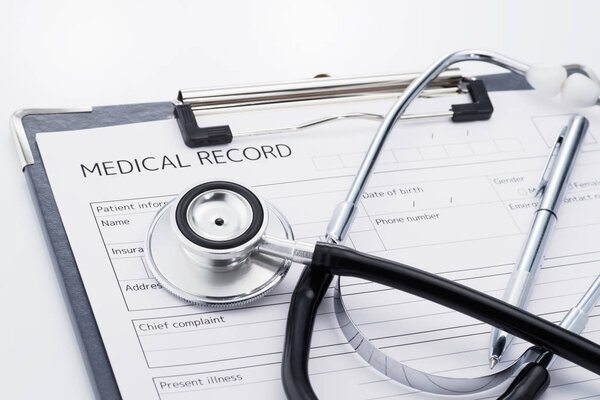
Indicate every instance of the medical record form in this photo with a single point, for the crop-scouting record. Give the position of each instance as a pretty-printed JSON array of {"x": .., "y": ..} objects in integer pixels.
[{"x": 455, "y": 199}]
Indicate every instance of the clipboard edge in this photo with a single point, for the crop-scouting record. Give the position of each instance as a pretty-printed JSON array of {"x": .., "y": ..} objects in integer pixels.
[
  {"x": 86, "y": 330},
  {"x": 15, "y": 126},
  {"x": 57, "y": 256}
]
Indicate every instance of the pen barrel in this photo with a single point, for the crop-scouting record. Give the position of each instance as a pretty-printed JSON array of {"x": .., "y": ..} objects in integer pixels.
[
  {"x": 519, "y": 288},
  {"x": 531, "y": 257},
  {"x": 578, "y": 316},
  {"x": 590, "y": 298},
  {"x": 556, "y": 185},
  {"x": 575, "y": 320}
]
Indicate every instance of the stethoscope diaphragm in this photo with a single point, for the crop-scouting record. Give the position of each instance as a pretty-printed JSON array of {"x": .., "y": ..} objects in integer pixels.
[{"x": 202, "y": 245}]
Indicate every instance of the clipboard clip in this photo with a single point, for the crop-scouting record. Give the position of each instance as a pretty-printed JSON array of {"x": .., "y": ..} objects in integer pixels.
[{"x": 193, "y": 135}]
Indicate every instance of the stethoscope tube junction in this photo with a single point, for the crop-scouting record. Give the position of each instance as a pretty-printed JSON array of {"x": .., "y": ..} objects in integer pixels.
[{"x": 219, "y": 244}]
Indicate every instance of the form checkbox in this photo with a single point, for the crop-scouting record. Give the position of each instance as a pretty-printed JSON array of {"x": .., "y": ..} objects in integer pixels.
[
  {"x": 486, "y": 147},
  {"x": 508, "y": 144},
  {"x": 130, "y": 268},
  {"x": 328, "y": 162},
  {"x": 433, "y": 152},
  {"x": 458, "y": 150},
  {"x": 367, "y": 241},
  {"x": 404, "y": 155}
]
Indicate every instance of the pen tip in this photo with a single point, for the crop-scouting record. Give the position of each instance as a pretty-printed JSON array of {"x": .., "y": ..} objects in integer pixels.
[{"x": 493, "y": 362}]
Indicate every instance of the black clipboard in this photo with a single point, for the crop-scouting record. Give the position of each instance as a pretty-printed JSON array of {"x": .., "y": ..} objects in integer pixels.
[{"x": 27, "y": 123}]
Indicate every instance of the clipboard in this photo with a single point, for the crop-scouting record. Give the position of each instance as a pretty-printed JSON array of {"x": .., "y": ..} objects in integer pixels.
[{"x": 188, "y": 109}]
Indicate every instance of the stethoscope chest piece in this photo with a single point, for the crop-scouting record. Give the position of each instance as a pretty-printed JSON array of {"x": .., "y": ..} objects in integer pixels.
[{"x": 202, "y": 245}]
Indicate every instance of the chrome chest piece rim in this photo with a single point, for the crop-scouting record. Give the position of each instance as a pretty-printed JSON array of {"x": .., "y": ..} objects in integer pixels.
[{"x": 202, "y": 245}]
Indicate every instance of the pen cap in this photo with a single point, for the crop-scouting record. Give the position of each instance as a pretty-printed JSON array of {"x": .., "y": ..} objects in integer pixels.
[{"x": 558, "y": 177}]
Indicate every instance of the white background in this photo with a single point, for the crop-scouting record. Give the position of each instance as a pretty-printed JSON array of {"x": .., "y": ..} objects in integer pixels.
[{"x": 61, "y": 53}]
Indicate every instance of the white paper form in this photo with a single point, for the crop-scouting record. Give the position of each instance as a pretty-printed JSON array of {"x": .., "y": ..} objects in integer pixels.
[{"x": 452, "y": 198}]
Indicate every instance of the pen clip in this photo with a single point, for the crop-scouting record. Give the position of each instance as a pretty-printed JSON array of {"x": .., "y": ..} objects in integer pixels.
[{"x": 557, "y": 144}]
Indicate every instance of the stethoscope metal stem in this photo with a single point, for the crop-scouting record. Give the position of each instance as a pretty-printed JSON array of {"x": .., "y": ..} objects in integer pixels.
[
  {"x": 344, "y": 213},
  {"x": 297, "y": 252}
]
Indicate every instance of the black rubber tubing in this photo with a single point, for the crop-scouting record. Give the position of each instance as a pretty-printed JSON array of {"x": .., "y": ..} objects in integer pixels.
[
  {"x": 307, "y": 296},
  {"x": 330, "y": 259},
  {"x": 529, "y": 384},
  {"x": 183, "y": 205},
  {"x": 344, "y": 261}
]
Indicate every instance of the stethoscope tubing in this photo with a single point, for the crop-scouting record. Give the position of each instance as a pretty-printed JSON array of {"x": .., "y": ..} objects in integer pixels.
[
  {"x": 316, "y": 278},
  {"x": 332, "y": 259}
]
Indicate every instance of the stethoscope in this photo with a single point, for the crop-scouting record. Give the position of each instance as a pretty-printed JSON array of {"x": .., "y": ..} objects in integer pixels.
[{"x": 219, "y": 244}]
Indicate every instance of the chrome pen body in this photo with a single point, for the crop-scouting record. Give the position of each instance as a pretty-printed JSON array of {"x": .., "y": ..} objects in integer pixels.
[
  {"x": 552, "y": 189},
  {"x": 533, "y": 379},
  {"x": 577, "y": 317}
]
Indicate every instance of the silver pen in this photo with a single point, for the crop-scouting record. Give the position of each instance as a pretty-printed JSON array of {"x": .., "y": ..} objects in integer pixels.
[
  {"x": 528, "y": 380},
  {"x": 578, "y": 316},
  {"x": 552, "y": 189}
]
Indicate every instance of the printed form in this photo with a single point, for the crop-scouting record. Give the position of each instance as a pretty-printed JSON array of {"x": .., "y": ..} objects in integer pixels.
[{"x": 455, "y": 199}]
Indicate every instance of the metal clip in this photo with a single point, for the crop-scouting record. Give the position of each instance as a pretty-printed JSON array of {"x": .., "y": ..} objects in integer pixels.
[
  {"x": 333, "y": 118},
  {"x": 545, "y": 172},
  {"x": 195, "y": 136}
]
